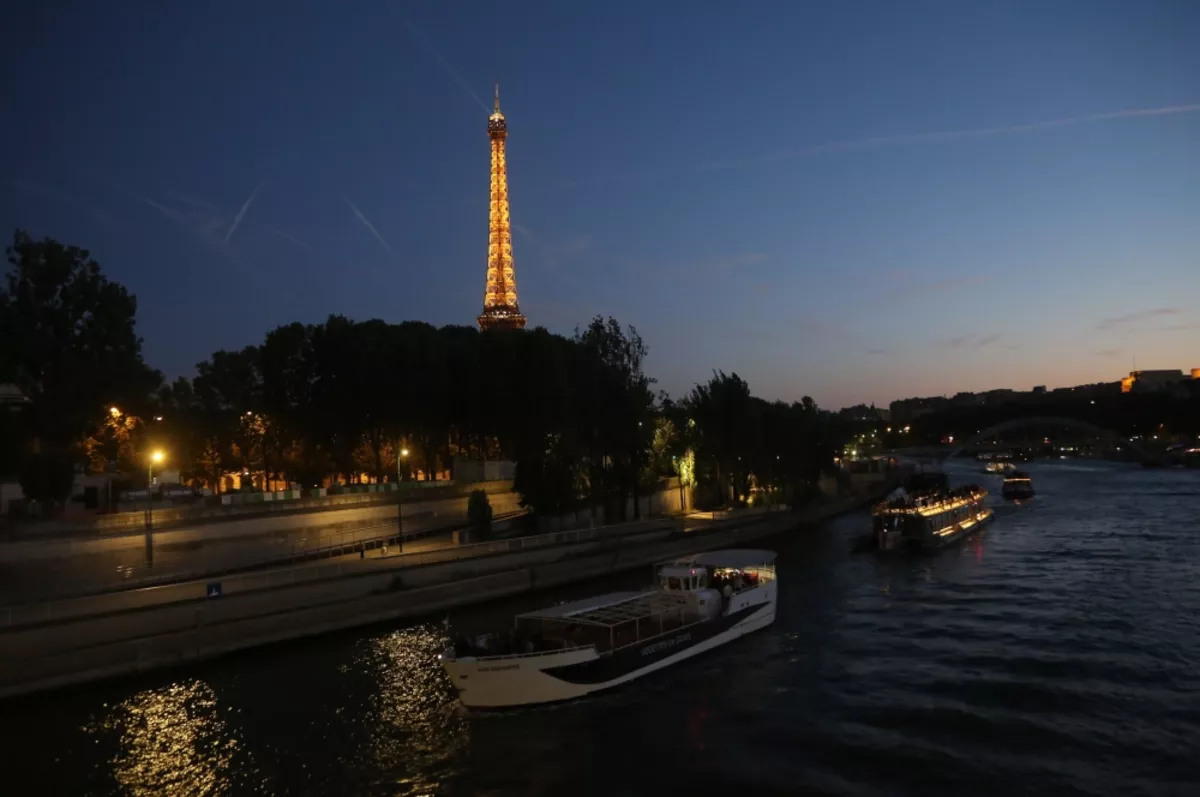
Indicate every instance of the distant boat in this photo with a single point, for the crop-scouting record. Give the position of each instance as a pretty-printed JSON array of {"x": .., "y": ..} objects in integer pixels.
[
  {"x": 929, "y": 515},
  {"x": 1018, "y": 486}
]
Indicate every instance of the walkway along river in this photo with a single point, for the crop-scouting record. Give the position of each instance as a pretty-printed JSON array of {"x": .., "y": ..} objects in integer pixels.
[{"x": 1057, "y": 654}]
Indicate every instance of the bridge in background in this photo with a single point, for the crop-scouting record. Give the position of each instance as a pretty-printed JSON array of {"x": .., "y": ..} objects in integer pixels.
[{"x": 988, "y": 439}]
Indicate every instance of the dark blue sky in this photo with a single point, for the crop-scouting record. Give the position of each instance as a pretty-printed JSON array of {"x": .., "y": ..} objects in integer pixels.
[{"x": 857, "y": 201}]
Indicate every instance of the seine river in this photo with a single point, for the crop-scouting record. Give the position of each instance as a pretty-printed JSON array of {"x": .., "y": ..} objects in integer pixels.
[{"x": 1057, "y": 654}]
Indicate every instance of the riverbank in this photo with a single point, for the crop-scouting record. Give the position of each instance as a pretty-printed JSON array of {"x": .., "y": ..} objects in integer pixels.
[{"x": 136, "y": 636}]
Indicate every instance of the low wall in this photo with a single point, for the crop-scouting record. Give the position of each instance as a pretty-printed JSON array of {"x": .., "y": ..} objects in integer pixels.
[{"x": 665, "y": 501}]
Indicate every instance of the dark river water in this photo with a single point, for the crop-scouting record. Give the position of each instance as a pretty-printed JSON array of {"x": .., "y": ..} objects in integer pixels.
[{"x": 1057, "y": 654}]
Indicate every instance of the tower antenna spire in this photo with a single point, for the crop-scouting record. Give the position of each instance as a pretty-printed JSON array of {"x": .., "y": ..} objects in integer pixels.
[{"x": 496, "y": 107}]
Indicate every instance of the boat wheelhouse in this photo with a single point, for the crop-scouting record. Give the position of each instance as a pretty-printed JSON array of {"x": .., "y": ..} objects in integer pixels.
[
  {"x": 930, "y": 518},
  {"x": 573, "y": 649}
]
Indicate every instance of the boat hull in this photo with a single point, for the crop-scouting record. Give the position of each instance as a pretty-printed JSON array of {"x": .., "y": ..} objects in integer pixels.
[
  {"x": 499, "y": 682},
  {"x": 934, "y": 541}
]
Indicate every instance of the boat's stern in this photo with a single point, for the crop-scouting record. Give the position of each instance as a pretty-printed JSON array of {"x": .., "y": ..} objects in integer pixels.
[{"x": 517, "y": 680}]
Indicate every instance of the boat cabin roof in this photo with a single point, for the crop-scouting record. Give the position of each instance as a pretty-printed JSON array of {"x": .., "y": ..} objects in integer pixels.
[
  {"x": 678, "y": 571},
  {"x": 612, "y": 609},
  {"x": 734, "y": 558}
]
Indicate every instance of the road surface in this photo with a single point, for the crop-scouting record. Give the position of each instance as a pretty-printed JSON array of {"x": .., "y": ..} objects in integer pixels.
[{"x": 36, "y": 569}]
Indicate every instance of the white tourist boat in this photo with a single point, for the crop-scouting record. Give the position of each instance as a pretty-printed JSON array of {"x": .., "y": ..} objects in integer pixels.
[{"x": 574, "y": 649}]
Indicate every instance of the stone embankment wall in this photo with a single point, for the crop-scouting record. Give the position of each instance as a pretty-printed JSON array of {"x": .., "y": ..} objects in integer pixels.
[{"x": 132, "y": 637}]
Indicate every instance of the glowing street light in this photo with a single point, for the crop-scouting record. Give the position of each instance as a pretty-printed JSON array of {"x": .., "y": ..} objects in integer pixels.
[
  {"x": 113, "y": 411},
  {"x": 156, "y": 458},
  {"x": 399, "y": 502}
]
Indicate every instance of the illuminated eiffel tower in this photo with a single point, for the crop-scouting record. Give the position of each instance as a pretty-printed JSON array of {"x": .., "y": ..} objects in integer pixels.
[{"x": 500, "y": 308}]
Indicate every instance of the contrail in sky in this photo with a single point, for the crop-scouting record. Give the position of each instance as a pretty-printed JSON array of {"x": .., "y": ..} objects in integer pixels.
[
  {"x": 291, "y": 238},
  {"x": 445, "y": 64},
  {"x": 370, "y": 226},
  {"x": 950, "y": 135},
  {"x": 163, "y": 209},
  {"x": 884, "y": 141},
  {"x": 246, "y": 206}
]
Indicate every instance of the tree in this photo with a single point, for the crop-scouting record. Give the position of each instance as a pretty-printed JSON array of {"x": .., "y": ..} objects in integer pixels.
[
  {"x": 47, "y": 477},
  {"x": 68, "y": 341},
  {"x": 479, "y": 515}
]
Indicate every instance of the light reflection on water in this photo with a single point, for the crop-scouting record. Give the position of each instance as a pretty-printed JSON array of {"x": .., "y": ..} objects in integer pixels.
[
  {"x": 175, "y": 741},
  {"x": 417, "y": 730}
]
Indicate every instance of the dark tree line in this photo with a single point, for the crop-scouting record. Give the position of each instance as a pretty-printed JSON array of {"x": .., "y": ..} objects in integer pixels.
[{"x": 342, "y": 399}]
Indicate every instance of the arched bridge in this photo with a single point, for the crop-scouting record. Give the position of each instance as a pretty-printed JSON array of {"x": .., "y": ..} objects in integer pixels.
[{"x": 1043, "y": 421}]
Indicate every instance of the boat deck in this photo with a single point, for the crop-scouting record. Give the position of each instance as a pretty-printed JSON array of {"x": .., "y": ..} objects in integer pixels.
[{"x": 606, "y": 612}]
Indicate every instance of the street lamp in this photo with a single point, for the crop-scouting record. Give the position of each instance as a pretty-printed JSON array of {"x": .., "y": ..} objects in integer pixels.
[
  {"x": 400, "y": 499},
  {"x": 155, "y": 457}
]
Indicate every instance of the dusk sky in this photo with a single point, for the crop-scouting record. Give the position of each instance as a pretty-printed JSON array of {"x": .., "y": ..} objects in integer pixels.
[{"x": 857, "y": 201}]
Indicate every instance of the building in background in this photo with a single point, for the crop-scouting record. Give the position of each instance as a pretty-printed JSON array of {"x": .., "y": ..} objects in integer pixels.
[{"x": 1159, "y": 381}]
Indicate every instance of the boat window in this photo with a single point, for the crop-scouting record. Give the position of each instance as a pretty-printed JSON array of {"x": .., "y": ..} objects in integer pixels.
[{"x": 672, "y": 582}]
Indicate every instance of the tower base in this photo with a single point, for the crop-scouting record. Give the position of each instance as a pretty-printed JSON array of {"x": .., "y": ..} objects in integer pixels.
[{"x": 501, "y": 318}]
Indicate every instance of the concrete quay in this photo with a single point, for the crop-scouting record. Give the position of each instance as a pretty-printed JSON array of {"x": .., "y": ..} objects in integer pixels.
[{"x": 53, "y": 645}]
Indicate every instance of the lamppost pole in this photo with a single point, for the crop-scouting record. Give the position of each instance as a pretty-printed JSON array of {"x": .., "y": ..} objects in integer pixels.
[
  {"x": 157, "y": 456},
  {"x": 400, "y": 498}
]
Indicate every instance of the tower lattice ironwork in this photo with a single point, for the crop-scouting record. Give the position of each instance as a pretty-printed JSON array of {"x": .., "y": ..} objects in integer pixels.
[{"x": 500, "y": 308}]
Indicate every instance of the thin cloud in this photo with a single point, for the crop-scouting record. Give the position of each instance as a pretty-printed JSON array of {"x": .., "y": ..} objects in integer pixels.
[
  {"x": 191, "y": 200},
  {"x": 973, "y": 341},
  {"x": 1108, "y": 353},
  {"x": 987, "y": 340},
  {"x": 877, "y": 142},
  {"x": 553, "y": 253},
  {"x": 907, "y": 284},
  {"x": 429, "y": 45},
  {"x": 245, "y": 206},
  {"x": 66, "y": 198},
  {"x": 711, "y": 266},
  {"x": 163, "y": 209},
  {"x": 738, "y": 261},
  {"x": 878, "y": 352},
  {"x": 368, "y": 224},
  {"x": 288, "y": 237},
  {"x": 1126, "y": 320},
  {"x": 956, "y": 283}
]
